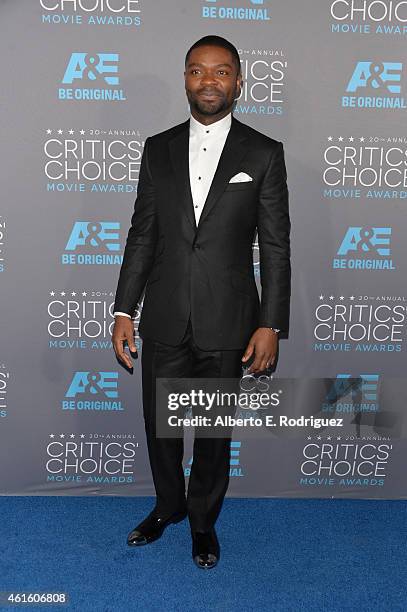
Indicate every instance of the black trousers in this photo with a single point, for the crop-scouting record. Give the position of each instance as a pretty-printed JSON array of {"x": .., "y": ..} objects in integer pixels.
[{"x": 209, "y": 476}]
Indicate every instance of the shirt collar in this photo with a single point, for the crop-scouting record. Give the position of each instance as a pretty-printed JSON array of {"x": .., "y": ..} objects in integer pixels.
[{"x": 214, "y": 129}]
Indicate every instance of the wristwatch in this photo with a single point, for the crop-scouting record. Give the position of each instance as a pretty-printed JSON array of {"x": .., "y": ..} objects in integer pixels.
[{"x": 274, "y": 330}]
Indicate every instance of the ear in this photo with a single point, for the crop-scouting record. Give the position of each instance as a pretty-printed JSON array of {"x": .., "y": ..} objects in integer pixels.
[{"x": 239, "y": 83}]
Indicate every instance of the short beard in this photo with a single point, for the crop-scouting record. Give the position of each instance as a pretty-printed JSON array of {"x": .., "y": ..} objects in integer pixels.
[{"x": 206, "y": 108}]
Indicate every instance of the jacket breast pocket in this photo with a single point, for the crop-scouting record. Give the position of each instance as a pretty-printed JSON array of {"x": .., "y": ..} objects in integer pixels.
[{"x": 239, "y": 186}]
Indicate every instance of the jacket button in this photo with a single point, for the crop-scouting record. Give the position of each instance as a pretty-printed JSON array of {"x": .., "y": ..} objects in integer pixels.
[{"x": 196, "y": 246}]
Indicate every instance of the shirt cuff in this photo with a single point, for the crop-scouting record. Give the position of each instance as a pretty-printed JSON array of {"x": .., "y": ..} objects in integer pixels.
[{"x": 123, "y": 314}]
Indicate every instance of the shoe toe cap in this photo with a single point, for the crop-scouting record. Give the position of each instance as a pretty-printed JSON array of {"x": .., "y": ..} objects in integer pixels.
[
  {"x": 206, "y": 560},
  {"x": 136, "y": 538}
]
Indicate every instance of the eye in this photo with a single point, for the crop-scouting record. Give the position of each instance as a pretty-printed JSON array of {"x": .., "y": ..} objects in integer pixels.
[
  {"x": 194, "y": 71},
  {"x": 222, "y": 72}
]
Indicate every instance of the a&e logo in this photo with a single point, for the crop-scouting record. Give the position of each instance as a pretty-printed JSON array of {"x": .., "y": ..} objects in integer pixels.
[
  {"x": 353, "y": 394},
  {"x": 253, "y": 11},
  {"x": 87, "y": 385},
  {"x": 95, "y": 70},
  {"x": 365, "y": 248},
  {"x": 93, "y": 242},
  {"x": 380, "y": 78},
  {"x": 90, "y": 384}
]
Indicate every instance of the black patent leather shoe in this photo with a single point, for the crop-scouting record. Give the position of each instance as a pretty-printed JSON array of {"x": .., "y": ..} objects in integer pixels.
[
  {"x": 152, "y": 528},
  {"x": 205, "y": 549}
]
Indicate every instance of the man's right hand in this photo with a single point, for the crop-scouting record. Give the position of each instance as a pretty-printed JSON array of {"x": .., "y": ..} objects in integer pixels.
[{"x": 123, "y": 330}]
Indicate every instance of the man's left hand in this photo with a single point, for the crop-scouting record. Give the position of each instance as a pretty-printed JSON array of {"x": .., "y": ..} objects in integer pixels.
[{"x": 263, "y": 344}]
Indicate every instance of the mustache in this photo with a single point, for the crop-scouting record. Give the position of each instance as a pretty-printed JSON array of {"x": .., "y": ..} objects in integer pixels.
[{"x": 209, "y": 92}]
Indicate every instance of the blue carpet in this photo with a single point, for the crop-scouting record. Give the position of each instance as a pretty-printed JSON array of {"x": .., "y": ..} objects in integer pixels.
[{"x": 282, "y": 555}]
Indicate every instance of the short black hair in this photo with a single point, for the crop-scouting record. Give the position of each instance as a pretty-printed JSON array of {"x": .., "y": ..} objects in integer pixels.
[{"x": 216, "y": 41}]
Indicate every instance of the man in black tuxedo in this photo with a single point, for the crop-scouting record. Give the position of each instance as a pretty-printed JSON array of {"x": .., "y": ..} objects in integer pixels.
[{"x": 205, "y": 187}]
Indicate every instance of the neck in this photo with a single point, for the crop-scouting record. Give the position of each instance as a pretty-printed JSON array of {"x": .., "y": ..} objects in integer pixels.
[{"x": 208, "y": 119}]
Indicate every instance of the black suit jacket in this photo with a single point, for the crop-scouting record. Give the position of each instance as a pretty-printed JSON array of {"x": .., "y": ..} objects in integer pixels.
[{"x": 206, "y": 272}]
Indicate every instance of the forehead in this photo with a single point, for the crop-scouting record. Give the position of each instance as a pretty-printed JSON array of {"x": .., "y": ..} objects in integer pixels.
[{"x": 210, "y": 54}]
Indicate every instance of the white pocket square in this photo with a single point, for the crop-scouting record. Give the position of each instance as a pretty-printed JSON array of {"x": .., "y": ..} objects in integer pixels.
[{"x": 240, "y": 177}]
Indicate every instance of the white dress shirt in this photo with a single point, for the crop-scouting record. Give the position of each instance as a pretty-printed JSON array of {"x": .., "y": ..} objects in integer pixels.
[{"x": 206, "y": 143}]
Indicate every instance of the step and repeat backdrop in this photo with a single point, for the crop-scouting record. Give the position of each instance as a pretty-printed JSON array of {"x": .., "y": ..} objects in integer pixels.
[{"x": 85, "y": 82}]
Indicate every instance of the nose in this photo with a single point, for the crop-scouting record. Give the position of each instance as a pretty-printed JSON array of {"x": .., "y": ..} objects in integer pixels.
[{"x": 208, "y": 78}]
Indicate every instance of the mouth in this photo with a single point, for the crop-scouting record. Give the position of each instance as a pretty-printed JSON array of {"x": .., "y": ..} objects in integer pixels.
[{"x": 209, "y": 95}]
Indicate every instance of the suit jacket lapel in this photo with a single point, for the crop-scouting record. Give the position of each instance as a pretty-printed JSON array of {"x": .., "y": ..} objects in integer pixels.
[
  {"x": 179, "y": 155},
  {"x": 228, "y": 165}
]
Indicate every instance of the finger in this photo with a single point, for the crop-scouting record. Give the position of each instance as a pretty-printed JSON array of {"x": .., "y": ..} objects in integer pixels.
[
  {"x": 269, "y": 360},
  {"x": 131, "y": 343},
  {"x": 248, "y": 352},
  {"x": 117, "y": 346},
  {"x": 260, "y": 365},
  {"x": 264, "y": 364},
  {"x": 272, "y": 358},
  {"x": 255, "y": 367},
  {"x": 124, "y": 358},
  {"x": 121, "y": 354}
]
